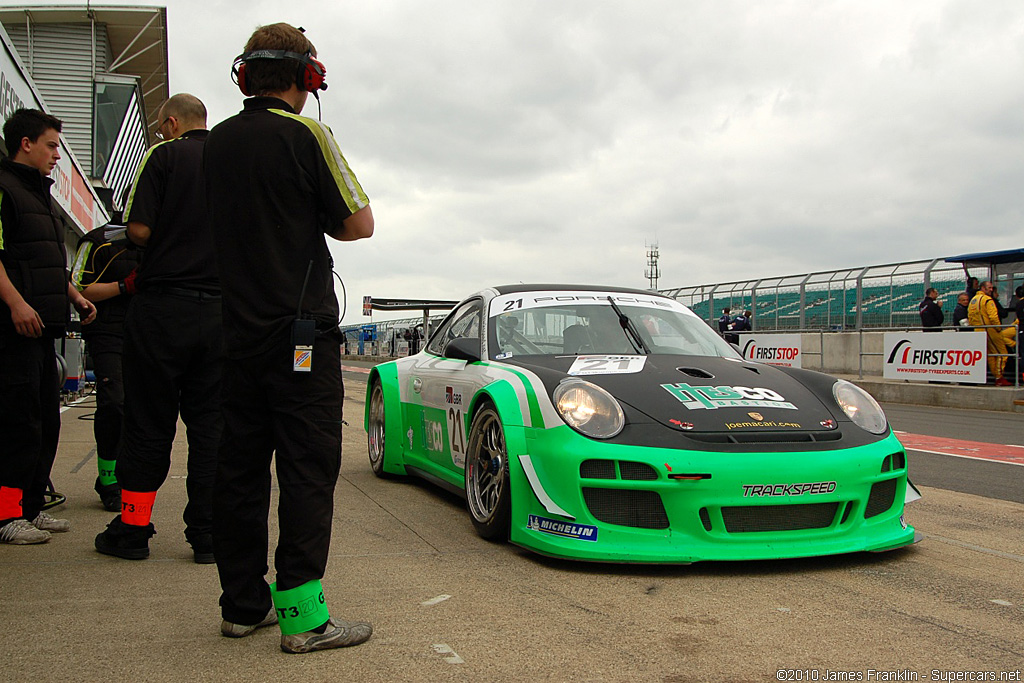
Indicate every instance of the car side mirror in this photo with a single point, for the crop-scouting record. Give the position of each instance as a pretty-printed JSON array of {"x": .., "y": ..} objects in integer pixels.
[{"x": 463, "y": 348}]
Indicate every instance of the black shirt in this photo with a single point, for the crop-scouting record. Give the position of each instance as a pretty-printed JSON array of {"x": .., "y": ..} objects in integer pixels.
[
  {"x": 276, "y": 183},
  {"x": 723, "y": 323},
  {"x": 960, "y": 318},
  {"x": 169, "y": 196},
  {"x": 931, "y": 314}
]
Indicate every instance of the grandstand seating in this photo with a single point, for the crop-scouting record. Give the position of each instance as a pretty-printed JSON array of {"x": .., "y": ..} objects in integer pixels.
[{"x": 883, "y": 305}]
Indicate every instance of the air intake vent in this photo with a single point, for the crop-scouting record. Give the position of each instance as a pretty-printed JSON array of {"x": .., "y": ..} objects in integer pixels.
[
  {"x": 641, "y": 509},
  {"x": 742, "y": 519},
  {"x": 764, "y": 437},
  {"x": 705, "y": 519},
  {"x": 696, "y": 372},
  {"x": 883, "y": 494},
  {"x": 637, "y": 471},
  {"x": 597, "y": 469}
]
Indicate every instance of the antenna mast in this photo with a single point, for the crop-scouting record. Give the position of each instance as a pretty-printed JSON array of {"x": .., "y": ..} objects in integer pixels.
[{"x": 652, "y": 273}]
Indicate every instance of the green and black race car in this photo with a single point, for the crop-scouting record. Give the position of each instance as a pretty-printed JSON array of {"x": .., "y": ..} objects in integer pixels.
[{"x": 614, "y": 425}]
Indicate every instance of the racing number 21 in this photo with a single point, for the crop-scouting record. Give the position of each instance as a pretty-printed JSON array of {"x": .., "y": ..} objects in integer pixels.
[{"x": 457, "y": 436}]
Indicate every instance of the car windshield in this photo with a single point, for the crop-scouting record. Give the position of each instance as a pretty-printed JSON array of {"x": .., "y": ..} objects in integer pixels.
[{"x": 578, "y": 323}]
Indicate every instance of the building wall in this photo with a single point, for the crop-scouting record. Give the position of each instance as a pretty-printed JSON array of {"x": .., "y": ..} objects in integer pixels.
[{"x": 59, "y": 57}]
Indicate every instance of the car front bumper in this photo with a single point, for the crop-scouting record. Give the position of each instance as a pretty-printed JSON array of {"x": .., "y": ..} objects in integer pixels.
[{"x": 578, "y": 498}]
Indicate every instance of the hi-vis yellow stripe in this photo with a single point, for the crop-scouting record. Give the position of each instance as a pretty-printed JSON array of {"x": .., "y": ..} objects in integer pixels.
[
  {"x": 138, "y": 173},
  {"x": 345, "y": 179}
]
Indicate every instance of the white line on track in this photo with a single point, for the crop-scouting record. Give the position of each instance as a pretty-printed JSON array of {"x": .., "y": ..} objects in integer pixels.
[
  {"x": 74, "y": 403},
  {"x": 968, "y": 457},
  {"x": 449, "y": 654},
  {"x": 433, "y": 601},
  {"x": 976, "y": 548}
]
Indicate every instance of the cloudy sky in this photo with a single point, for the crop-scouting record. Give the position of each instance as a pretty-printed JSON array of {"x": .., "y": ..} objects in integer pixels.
[{"x": 552, "y": 140}]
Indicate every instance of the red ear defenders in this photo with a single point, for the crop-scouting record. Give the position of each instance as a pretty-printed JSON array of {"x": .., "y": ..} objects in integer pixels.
[{"x": 310, "y": 76}]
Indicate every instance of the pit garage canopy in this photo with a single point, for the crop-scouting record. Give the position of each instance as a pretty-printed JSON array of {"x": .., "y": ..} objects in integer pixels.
[{"x": 989, "y": 257}]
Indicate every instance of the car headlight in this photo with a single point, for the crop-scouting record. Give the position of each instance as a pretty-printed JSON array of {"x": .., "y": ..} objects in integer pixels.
[
  {"x": 860, "y": 407},
  {"x": 589, "y": 409}
]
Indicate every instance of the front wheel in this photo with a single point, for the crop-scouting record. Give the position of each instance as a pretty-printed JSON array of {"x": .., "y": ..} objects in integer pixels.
[
  {"x": 376, "y": 429},
  {"x": 488, "y": 494}
]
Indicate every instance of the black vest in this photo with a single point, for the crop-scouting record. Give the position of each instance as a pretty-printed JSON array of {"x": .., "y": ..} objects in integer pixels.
[{"x": 33, "y": 249}]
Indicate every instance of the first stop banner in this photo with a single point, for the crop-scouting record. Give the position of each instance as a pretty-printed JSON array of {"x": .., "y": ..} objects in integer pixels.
[{"x": 935, "y": 356}]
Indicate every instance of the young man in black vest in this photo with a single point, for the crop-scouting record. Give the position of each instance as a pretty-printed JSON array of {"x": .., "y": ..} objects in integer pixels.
[{"x": 34, "y": 295}]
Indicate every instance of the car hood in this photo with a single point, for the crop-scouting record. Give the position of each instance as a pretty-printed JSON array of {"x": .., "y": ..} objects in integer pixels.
[{"x": 696, "y": 394}]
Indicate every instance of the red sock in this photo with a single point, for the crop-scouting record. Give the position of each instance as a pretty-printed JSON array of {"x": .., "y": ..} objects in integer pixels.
[
  {"x": 10, "y": 503},
  {"x": 137, "y": 507}
]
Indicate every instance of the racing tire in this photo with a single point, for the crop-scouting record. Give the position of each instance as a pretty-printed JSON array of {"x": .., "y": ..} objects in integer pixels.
[
  {"x": 488, "y": 493},
  {"x": 376, "y": 431},
  {"x": 62, "y": 372}
]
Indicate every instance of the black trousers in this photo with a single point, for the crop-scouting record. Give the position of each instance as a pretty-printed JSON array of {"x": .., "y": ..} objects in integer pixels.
[
  {"x": 172, "y": 364},
  {"x": 29, "y": 416},
  {"x": 106, "y": 427},
  {"x": 270, "y": 409}
]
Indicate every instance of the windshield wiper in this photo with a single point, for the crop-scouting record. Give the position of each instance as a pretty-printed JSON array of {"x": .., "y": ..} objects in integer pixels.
[{"x": 632, "y": 334}]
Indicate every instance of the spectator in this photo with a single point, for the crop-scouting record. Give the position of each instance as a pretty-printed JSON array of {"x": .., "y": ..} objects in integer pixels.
[
  {"x": 982, "y": 311},
  {"x": 724, "y": 321},
  {"x": 34, "y": 295},
  {"x": 743, "y": 323},
  {"x": 960, "y": 313},
  {"x": 1000, "y": 309},
  {"x": 930, "y": 309},
  {"x": 1019, "y": 310},
  {"x": 972, "y": 287}
]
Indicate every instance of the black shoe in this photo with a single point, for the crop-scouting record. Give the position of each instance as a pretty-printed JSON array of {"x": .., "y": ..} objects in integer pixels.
[
  {"x": 125, "y": 540},
  {"x": 202, "y": 549},
  {"x": 110, "y": 495}
]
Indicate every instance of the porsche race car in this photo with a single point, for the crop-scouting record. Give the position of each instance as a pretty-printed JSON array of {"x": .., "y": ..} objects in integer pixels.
[{"x": 610, "y": 424}]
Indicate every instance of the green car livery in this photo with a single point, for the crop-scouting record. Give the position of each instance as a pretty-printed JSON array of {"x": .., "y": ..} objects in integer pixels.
[{"x": 611, "y": 424}]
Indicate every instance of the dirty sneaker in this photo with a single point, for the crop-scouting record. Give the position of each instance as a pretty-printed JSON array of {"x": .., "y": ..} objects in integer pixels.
[
  {"x": 242, "y": 630},
  {"x": 338, "y": 634},
  {"x": 22, "y": 532},
  {"x": 47, "y": 522}
]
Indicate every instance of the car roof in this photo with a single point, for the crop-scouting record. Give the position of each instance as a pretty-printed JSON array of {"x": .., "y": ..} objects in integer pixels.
[{"x": 515, "y": 289}]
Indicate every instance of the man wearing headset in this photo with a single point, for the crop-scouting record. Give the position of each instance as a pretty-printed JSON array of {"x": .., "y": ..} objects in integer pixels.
[{"x": 282, "y": 377}]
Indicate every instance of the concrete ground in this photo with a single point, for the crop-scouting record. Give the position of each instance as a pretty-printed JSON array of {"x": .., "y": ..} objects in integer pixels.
[{"x": 449, "y": 606}]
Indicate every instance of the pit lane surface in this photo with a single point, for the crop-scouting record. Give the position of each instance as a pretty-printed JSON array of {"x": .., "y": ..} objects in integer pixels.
[
  {"x": 941, "y": 605},
  {"x": 450, "y": 606},
  {"x": 979, "y": 452}
]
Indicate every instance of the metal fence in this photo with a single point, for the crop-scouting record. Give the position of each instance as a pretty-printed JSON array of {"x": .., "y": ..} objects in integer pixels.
[
  {"x": 865, "y": 297},
  {"x": 868, "y": 297}
]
